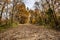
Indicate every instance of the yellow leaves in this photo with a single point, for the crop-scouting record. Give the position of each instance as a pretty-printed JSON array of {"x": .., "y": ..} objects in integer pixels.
[
  {"x": 33, "y": 21},
  {"x": 20, "y": 7},
  {"x": 22, "y": 12}
]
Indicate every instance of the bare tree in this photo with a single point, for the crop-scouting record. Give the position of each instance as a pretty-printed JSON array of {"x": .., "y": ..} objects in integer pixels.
[{"x": 3, "y": 6}]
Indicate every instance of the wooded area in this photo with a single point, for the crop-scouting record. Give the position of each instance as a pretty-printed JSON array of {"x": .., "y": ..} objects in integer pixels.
[
  {"x": 20, "y": 22},
  {"x": 15, "y": 12}
]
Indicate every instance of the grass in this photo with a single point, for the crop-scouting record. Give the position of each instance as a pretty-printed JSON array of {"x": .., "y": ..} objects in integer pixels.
[
  {"x": 4, "y": 27},
  {"x": 14, "y": 24}
]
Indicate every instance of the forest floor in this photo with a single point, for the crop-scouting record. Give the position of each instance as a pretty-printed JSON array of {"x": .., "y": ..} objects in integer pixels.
[{"x": 29, "y": 32}]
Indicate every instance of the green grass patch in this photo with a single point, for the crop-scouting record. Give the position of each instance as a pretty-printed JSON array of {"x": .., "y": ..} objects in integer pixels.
[
  {"x": 9, "y": 25},
  {"x": 14, "y": 24}
]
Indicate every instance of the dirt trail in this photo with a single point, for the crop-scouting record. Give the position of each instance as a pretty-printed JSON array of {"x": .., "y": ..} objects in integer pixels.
[{"x": 29, "y": 32}]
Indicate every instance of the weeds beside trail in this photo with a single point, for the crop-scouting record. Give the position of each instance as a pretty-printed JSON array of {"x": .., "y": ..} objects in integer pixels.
[{"x": 30, "y": 32}]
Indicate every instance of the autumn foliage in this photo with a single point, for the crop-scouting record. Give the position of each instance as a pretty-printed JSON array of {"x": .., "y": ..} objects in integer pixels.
[{"x": 18, "y": 13}]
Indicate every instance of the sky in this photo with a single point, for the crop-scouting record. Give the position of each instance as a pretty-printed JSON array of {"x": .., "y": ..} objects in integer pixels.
[{"x": 29, "y": 3}]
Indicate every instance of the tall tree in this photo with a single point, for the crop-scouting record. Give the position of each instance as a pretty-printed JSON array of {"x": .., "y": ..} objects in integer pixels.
[{"x": 3, "y": 6}]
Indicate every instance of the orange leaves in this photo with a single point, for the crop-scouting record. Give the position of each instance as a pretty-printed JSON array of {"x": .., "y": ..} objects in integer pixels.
[
  {"x": 20, "y": 6},
  {"x": 21, "y": 9},
  {"x": 21, "y": 12}
]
